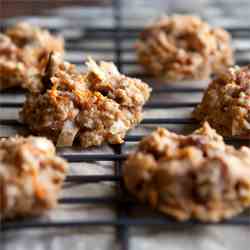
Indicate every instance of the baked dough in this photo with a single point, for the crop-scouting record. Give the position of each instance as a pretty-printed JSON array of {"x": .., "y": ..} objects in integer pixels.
[
  {"x": 97, "y": 106},
  {"x": 195, "y": 176},
  {"x": 226, "y": 103},
  {"x": 23, "y": 49},
  {"x": 31, "y": 176},
  {"x": 184, "y": 47}
]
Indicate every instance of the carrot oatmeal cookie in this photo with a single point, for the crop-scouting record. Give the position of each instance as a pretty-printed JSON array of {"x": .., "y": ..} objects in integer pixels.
[
  {"x": 195, "y": 176},
  {"x": 226, "y": 103},
  {"x": 97, "y": 106},
  {"x": 23, "y": 49},
  {"x": 184, "y": 47},
  {"x": 31, "y": 176}
]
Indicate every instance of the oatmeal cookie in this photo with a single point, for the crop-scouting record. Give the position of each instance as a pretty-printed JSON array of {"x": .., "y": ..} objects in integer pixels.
[
  {"x": 184, "y": 47},
  {"x": 226, "y": 103},
  {"x": 23, "y": 49},
  {"x": 97, "y": 106},
  {"x": 196, "y": 176},
  {"x": 31, "y": 176}
]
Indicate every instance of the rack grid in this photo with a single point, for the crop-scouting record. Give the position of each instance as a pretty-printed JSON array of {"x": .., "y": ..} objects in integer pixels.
[{"x": 121, "y": 201}]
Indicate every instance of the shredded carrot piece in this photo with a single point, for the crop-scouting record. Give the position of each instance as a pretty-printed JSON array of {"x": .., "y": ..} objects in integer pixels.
[{"x": 40, "y": 192}]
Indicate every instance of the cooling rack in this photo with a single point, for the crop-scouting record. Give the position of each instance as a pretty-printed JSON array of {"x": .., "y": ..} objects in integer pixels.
[{"x": 121, "y": 202}]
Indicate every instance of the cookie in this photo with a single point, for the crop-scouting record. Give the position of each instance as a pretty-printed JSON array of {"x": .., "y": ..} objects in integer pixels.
[
  {"x": 31, "y": 176},
  {"x": 183, "y": 47},
  {"x": 196, "y": 176}
]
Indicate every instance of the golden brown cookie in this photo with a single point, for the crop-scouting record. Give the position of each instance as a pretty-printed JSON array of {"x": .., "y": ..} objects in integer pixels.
[
  {"x": 94, "y": 107},
  {"x": 183, "y": 47},
  {"x": 196, "y": 176},
  {"x": 23, "y": 49},
  {"x": 226, "y": 103},
  {"x": 31, "y": 176}
]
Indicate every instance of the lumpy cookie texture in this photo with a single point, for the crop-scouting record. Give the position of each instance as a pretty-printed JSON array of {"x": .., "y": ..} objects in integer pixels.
[
  {"x": 23, "y": 49},
  {"x": 31, "y": 176},
  {"x": 226, "y": 103},
  {"x": 97, "y": 106},
  {"x": 184, "y": 47},
  {"x": 195, "y": 176}
]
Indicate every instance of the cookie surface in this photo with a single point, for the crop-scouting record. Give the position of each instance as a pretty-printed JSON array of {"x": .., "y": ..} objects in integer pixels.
[
  {"x": 183, "y": 47},
  {"x": 31, "y": 176},
  {"x": 226, "y": 103},
  {"x": 195, "y": 176},
  {"x": 22, "y": 49},
  {"x": 94, "y": 107}
]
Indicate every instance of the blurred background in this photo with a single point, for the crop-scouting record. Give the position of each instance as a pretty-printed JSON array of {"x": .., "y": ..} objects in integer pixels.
[
  {"x": 80, "y": 22},
  {"x": 227, "y": 12}
]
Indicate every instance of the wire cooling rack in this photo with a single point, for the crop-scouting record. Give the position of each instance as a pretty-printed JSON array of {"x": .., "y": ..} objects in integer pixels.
[{"x": 121, "y": 203}]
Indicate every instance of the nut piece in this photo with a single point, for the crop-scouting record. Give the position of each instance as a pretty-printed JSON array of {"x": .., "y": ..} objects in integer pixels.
[
  {"x": 22, "y": 52},
  {"x": 31, "y": 176},
  {"x": 97, "y": 106},
  {"x": 226, "y": 103},
  {"x": 184, "y": 47},
  {"x": 195, "y": 176}
]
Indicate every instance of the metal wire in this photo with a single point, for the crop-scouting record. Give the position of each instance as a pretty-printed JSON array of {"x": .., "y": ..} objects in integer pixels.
[{"x": 121, "y": 201}]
